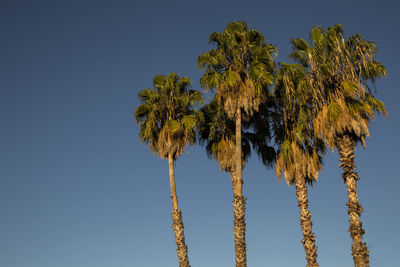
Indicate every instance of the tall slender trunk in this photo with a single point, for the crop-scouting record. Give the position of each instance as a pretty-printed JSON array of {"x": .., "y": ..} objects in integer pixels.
[
  {"x": 305, "y": 222},
  {"x": 346, "y": 147},
  {"x": 177, "y": 223},
  {"x": 239, "y": 202}
]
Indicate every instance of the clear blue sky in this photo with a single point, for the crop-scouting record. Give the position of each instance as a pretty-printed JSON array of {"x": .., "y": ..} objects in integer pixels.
[{"x": 77, "y": 189}]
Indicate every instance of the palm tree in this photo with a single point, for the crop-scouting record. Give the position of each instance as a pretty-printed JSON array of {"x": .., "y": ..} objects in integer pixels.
[
  {"x": 341, "y": 72},
  {"x": 240, "y": 70},
  {"x": 299, "y": 156},
  {"x": 167, "y": 124}
]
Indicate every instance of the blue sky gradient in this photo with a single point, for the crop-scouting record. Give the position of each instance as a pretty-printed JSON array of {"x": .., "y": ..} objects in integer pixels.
[{"x": 77, "y": 189}]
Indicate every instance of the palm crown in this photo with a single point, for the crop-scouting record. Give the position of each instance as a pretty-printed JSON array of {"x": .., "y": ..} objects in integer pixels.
[
  {"x": 166, "y": 115},
  {"x": 300, "y": 152},
  {"x": 240, "y": 68},
  {"x": 341, "y": 72}
]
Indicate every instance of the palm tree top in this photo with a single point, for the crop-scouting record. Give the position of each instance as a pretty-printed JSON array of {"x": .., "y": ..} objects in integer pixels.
[
  {"x": 343, "y": 73},
  {"x": 299, "y": 151},
  {"x": 240, "y": 68},
  {"x": 167, "y": 115}
]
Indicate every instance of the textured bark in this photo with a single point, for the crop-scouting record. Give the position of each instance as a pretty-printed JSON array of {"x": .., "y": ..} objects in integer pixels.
[
  {"x": 233, "y": 178},
  {"x": 177, "y": 226},
  {"x": 346, "y": 147},
  {"x": 177, "y": 223},
  {"x": 306, "y": 223},
  {"x": 239, "y": 230}
]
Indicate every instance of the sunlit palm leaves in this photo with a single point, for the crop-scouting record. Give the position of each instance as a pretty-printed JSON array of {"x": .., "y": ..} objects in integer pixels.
[
  {"x": 166, "y": 115},
  {"x": 240, "y": 69},
  {"x": 341, "y": 72}
]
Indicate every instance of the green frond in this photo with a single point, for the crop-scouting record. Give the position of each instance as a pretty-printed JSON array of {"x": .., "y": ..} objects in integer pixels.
[
  {"x": 183, "y": 83},
  {"x": 335, "y": 30},
  {"x": 334, "y": 111},
  {"x": 172, "y": 126},
  {"x": 210, "y": 80},
  {"x": 299, "y": 57},
  {"x": 356, "y": 107},
  {"x": 232, "y": 78},
  {"x": 146, "y": 94},
  {"x": 141, "y": 113},
  {"x": 350, "y": 88},
  {"x": 316, "y": 35},
  {"x": 377, "y": 105},
  {"x": 195, "y": 97},
  {"x": 286, "y": 150},
  {"x": 299, "y": 44},
  {"x": 159, "y": 81},
  {"x": 189, "y": 121}
]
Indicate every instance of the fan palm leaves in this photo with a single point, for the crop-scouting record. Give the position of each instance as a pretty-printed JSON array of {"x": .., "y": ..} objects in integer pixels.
[
  {"x": 168, "y": 123},
  {"x": 341, "y": 72},
  {"x": 240, "y": 70}
]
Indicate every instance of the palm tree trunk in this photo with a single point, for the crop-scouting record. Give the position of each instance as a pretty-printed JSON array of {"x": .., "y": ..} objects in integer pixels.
[
  {"x": 238, "y": 154},
  {"x": 346, "y": 147},
  {"x": 239, "y": 202},
  {"x": 177, "y": 223},
  {"x": 174, "y": 197},
  {"x": 305, "y": 222},
  {"x": 232, "y": 171}
]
